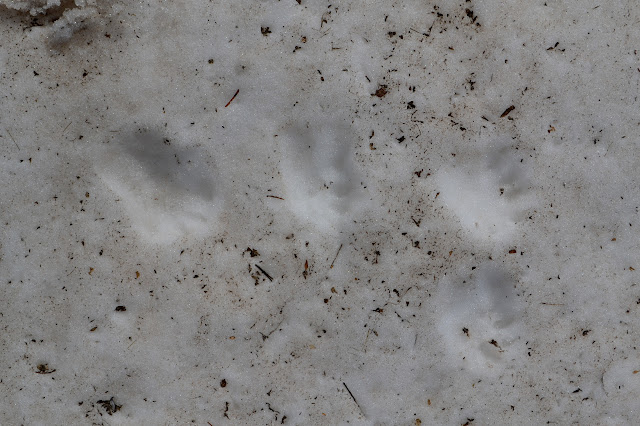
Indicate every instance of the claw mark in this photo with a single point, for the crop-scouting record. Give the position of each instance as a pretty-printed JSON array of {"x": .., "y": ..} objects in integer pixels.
[{"x": 14, "y": 141}]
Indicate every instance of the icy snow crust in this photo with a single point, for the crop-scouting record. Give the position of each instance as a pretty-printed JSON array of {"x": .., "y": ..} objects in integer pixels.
[{"x": 283, "y": 212}]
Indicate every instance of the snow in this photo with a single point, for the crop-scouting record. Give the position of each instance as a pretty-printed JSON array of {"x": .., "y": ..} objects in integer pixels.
[{"x": 351, "y": 212}]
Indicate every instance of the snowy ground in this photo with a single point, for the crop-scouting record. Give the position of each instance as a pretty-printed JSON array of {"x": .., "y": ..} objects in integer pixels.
[{"x": 319, "y": 212}]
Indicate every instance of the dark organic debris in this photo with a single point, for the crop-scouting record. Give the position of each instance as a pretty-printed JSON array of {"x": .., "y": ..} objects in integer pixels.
[
  {"x": 44, "y": 369},
  {"x": 381, "y": 92},
  {"x": 110, "y": 406},
  {"x": 252, "y": 252},
  {"x": 507, "y": 111}
]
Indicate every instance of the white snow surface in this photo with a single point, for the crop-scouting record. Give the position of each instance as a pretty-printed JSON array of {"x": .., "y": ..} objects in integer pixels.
[{"x": 319, "y": 212}]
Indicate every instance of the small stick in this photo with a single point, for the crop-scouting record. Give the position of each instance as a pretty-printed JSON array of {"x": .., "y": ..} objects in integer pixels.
[
  {"x": 354, "y": 398},
  {"x": 334, "y": 259},
  {"x": 264, "y": 272},
  {"x": 273, "y": 196},
  {"x": 231, "y": 100},
  {"x": 14, "y": 141}
]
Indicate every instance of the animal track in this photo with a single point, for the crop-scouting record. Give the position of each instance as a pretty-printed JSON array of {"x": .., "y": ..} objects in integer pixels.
[
  {"x": 167, "y": 190},
  {"x": 319, "y": 173},
  {"x": 487, "y": 196},
  {"x": 479, "y": 319}
]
